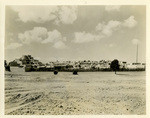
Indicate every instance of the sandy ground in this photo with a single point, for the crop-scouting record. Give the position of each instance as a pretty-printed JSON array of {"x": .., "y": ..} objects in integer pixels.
[{"x": 89, "y": 93}]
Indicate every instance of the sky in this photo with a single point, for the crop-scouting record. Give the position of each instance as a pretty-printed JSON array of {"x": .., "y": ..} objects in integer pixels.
[{"x": 99, "y": 32}]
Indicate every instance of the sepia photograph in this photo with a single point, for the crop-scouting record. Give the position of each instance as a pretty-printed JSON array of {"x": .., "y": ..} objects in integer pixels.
[{"x": 75, "y": 60}]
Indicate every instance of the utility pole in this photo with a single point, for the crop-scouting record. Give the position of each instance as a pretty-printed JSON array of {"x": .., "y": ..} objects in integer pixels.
[{"x": 137, "y": 54}]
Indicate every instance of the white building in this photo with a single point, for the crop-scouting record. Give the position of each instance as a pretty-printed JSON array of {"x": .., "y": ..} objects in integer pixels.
[{"x": 135, "y": 66}]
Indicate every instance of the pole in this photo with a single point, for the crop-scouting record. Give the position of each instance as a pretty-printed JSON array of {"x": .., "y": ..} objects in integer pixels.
[{"x": 137, "y": 54}]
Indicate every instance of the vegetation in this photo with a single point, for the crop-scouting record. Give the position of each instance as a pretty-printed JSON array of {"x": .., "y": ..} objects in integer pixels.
[
  {"x": 55, "y": 72},
  {"x": 75, "y": 72},
  {"x": 7, "y": 67},
  {"x": 114, "y": 65},
  {"x": 14, "y": 63}
]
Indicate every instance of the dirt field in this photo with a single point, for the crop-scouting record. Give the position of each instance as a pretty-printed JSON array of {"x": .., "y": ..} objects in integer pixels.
[{"x": 88, "y": 93}]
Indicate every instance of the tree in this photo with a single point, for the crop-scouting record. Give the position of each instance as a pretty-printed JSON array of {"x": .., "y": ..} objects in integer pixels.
[
  {"x": 5, "y": 63},
  {"x": 114, "y": 65},
  {"x": 7, "y": 67}
]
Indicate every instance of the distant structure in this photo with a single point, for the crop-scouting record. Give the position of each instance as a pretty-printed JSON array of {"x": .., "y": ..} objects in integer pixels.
[
  {"x": 136, "y": 65},
  {"x": 31, "y": 64}
]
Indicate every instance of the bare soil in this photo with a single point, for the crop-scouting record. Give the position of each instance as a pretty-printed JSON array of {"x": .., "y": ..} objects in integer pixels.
[{"x": 88, "y": 93}]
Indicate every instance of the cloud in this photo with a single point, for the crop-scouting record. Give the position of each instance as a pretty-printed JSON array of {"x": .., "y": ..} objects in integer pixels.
[
  {"x": 111, "y": 45},
  {"x": 68, "y": 14},
  {"x": 113, "y": 25},
  {"x": 107, "y": 29},
  {"x": 59, "y": 45},
  {"x": 42, "y": 35},
  {"x": 82, "y": 37},
  {"x": 100, "y": 26},
  {"x": 37, "y": 34},
  {"x": 135, "y": 41},
  {"x": 41, "y": 14},
  {"x": 104, "y": 30},
  {"x": 110, "y": 27},
  {"x": 14, "y": 46},
  {"x": 53, "y": 36},
  {"x": 37, "y": 14},
  {"x": 112, "y": 8},
  {"x": 130, "y": 22}
]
